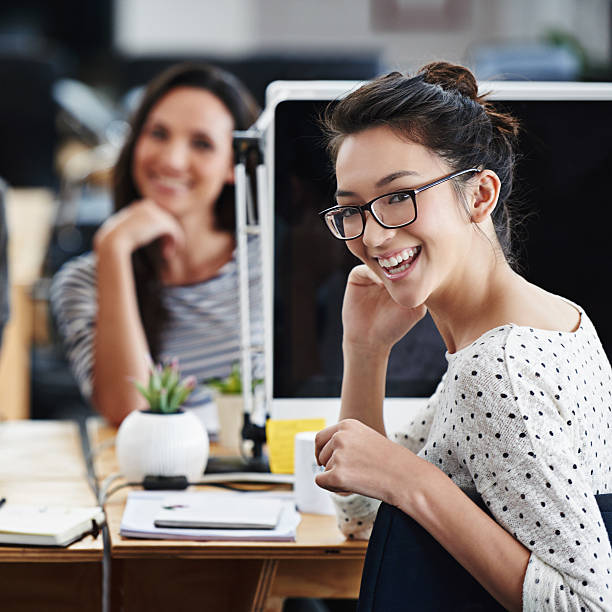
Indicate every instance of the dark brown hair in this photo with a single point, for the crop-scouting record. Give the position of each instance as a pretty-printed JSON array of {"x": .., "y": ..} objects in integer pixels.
[
  {"x": 146, "y": 261},
  {"x": 441, "y": 109}
]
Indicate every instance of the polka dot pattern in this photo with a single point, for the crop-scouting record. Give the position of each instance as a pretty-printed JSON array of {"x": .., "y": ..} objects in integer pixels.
[
  {"x": 355, "y": 515},
  {"x": 523, "y": 416}
]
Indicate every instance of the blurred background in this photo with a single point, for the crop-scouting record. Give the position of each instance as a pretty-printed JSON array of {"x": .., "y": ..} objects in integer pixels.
[{"x": 71, "y": 71}]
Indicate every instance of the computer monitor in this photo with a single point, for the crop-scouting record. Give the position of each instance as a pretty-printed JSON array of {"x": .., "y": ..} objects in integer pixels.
[{"x": 564, "y": 160}]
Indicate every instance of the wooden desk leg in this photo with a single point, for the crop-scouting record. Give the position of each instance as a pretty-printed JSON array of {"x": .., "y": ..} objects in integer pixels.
[{"x": 266, "y": 578}]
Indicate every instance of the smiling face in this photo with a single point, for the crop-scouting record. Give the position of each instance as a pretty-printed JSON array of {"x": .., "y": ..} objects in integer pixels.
[
  {"x": 183, "y": 155},
  {"x": 426, "y": 257}
]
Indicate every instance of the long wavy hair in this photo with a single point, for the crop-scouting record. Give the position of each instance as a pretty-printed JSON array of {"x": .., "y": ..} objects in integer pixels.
[{"x": 147, "y": 261}]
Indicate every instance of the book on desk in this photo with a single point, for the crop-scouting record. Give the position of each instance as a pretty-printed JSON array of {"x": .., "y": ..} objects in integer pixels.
[{"x": 42, "y": 525}]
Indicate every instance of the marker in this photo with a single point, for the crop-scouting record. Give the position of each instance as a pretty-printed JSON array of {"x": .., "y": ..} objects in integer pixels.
[{"x": 2, "y": 501}]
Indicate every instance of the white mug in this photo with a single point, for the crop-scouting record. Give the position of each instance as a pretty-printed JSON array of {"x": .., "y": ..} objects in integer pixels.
[{"x": 309, "y": 497}]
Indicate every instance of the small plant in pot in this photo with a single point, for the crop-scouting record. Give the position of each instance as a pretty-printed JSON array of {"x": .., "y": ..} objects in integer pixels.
[
  {"x": 163, "y": 439},
  {"x": 227, "y": 395},
  {"x": 166, "y": 392},
  {"x": 237, "y": 429}
]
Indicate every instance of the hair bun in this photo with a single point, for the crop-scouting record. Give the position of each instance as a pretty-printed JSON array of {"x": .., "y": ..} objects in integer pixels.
[{"x": 451, "y": 77}]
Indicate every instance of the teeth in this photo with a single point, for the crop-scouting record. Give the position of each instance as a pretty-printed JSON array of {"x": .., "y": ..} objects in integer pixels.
[
  {"x": 403, "y": 256},
  {"x": 402, "y": 268},
  {"x": 170, "y": 182}
]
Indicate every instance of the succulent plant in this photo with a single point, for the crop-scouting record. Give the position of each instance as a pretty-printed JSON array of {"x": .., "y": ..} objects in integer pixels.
[
  {"x": 231, "y": 384},
  {"x": 166, "y": 391}
]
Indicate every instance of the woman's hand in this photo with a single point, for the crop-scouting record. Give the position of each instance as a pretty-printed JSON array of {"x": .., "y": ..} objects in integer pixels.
[
  {"x": 139, "y": 224},
  {"x": 358, "y": 459},
  {"x": 370, "y": 317}
]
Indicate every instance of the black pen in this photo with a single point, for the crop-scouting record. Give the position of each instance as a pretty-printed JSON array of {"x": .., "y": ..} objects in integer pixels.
[{"x": 2, "y": 501}]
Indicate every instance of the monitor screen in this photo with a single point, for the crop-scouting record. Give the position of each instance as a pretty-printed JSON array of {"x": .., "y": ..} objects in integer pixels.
[{"x": 564, "y": 228}]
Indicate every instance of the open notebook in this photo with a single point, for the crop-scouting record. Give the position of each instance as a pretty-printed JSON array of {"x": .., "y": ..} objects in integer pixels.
[{"x": 40, "y": 525}]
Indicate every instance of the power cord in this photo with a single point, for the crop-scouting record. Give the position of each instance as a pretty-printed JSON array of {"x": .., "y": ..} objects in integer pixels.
[
  {"x": 179, "y": 483},
  {"x": 109, "y": 443}
]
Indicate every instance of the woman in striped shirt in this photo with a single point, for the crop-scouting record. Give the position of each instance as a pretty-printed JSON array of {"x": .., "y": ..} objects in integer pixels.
[{"x": 162, "y": 280}]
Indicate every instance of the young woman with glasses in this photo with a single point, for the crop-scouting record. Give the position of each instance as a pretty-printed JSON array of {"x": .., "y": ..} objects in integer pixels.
[{"x": 424, "y": 169}]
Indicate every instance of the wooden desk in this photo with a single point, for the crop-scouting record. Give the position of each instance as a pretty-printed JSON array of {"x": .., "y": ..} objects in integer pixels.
[
  {"x": 41, "y": 462},
  {"x": 41, "y": 451},
  {"x": 232, "y": 576}
]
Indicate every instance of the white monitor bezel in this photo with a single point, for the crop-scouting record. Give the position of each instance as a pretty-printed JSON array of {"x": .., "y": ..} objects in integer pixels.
[{"x": 280, "y": 91}]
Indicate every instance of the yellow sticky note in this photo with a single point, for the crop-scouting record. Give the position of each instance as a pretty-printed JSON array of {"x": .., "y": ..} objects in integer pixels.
[{"x": 280, "y": 435}]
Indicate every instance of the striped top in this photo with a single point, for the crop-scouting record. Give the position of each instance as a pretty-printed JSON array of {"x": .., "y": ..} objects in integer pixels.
[{"x": 203, "y": 328}]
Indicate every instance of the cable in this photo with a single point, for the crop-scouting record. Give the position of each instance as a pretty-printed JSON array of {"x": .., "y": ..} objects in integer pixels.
[
  {"x": 110, "y": 442},
  {"x": 174, "y": 483},
  {"x": 251, "y": 477},
  {"x": 102, "y": 493},
  {"x": 104, "y": 498}
]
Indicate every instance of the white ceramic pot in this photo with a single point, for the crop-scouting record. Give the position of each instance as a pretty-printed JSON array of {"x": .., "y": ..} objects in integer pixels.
[{"x": 153, "y": 444}]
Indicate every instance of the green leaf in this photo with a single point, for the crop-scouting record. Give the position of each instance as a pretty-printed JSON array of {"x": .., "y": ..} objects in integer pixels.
[
  {"x": 165, "y": 391},
  {"x": 165, "y": 376},
  {"x": 155, "y": 380},
  {"x": 163, "y": 401},
  {"x": 144, "y": 392},
  {"x": 175, "y": 398}
]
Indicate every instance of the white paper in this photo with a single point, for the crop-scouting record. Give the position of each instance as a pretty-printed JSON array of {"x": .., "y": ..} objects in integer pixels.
[{"x": 143, "y": 506}]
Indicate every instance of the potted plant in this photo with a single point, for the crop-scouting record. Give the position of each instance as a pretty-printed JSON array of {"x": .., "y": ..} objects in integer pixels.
[
  {"x": 164, "y": 439},
  {"x": 227, "y": 393},
  {"x": 237, "y": 430}
]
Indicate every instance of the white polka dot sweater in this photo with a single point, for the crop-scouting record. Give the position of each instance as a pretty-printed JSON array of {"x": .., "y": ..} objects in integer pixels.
[{"x": 523, "y": 416}]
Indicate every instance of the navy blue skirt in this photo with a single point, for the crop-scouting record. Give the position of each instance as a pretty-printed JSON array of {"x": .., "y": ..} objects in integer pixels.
[{"x": 406, "y": 569}]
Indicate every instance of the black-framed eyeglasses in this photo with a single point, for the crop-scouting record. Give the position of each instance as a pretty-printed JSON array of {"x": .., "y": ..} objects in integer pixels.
[{"x": 391, "y": 211}]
